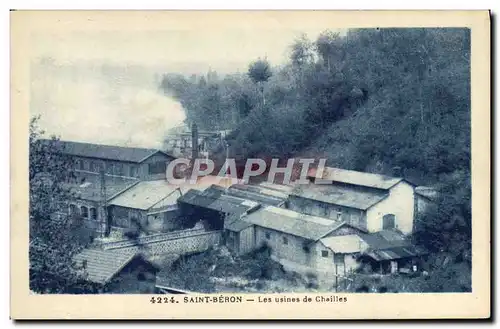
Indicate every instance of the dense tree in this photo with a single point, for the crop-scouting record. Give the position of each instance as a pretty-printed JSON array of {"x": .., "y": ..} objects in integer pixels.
[
  {"x": 302, "y": 52},
  {"x": 54, "y": 240},
  {"x": 330, "y": 48},
  {"x": 260, "y": 72}
]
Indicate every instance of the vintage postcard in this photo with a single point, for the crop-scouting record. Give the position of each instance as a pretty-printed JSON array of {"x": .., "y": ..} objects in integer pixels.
[{"x": 250, "y": 164}]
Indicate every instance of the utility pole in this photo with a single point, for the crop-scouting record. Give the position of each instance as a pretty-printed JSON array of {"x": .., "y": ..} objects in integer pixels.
[
  {"x": 336, "y": 278},
  {"x": 105, "y": 226}
]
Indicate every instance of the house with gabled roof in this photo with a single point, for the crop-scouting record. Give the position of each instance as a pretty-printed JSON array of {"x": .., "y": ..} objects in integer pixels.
[
  {"x": 135, "y": 162},
  {"x": 117, "y": 270},
  {"x": 321, "y": 246},
  {"x": 382, "y": 252},
  {"x": 213, "y": 207},
  {"x": 291, "y": 236},
  {"x": 150, "y": 206},
  {"x": 368, "y": 201}
]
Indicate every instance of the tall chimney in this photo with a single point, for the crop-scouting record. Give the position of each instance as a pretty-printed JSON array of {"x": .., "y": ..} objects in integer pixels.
[{"x": 194, "y": 141}]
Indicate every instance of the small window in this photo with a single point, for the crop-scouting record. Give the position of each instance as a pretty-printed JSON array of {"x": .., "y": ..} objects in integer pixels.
[
  {"x": 339, "y": 215},
  {"x": 86, "y": 165},
  {"x": 324, "y": 253},
  {"x": 389, "y": 222},
  {"x": 268, "y": 235},
  {"x": 93, "y": 213},
  {"x": 84, "y": 263},
  {"x": 306, "y": 249},
  {"x": 133, "y": 171},
  {"x": 84, "y": 211},
  {"x": 77, "y": 164},
  {"x": 72, "y": 209},
  {"x": 285, "y": 240}
]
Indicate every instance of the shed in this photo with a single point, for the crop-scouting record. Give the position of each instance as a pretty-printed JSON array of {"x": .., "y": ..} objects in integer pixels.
[
  {"x": 390, "y": 251},
  {"x": 151, "y": 205},
  {"x": 293, "y": 223},
  {"x": 111, "y": 267},
  {"x": 289, "y": 234},
  {"x": 212, "y": 207}
]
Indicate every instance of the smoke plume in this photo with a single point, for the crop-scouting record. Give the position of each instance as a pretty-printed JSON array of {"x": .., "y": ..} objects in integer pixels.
[{"x": 99, "y": 103}]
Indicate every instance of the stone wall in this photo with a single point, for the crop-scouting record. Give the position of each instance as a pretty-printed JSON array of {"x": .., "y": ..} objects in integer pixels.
[{"x": 180, "y": 242}]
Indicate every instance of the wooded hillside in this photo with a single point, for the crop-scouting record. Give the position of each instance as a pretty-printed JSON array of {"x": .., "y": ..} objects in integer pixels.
[{"x": 371, "y": 100}]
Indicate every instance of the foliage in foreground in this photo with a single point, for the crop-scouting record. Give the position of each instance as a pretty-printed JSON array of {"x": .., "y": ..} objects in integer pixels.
[
  {"x": 53, "y": 242},
  {"x": 218, "y": 270},
  {"x": 455, "y": 277}
]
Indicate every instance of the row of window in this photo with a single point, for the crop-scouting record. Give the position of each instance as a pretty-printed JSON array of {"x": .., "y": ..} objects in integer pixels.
[
  {"x": 83, "y": 211},
  {"x": 117, "y": 169},
  {"x": 338, "y": 258}
]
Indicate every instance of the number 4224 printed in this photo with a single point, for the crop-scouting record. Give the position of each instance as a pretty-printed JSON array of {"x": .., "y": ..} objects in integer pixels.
[{"x": 163, "y": 300}]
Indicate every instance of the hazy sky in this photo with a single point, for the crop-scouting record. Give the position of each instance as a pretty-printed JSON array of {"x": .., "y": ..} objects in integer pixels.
[
  {"x": 103, "y": 87},
  {"x": 220, "y": 49}
]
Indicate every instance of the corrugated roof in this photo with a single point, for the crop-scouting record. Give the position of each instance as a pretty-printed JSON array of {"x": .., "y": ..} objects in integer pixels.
[
  {"x": 237, "y": 225},
  {"x": 269, "y": 192},
  {"x": 103, "y": 265},
  {"x": 108, "y": 152},
  {"x": 214, "y": 191},
  {"x": 340, "y": 195},
  {"x": 356, "y": 177},
  {"x": 145, "y": 194},
  {"x": 196, "y": 198},
  {"x": 385, "y": 239},
  {"x": 255, "y": 196},
  {"x": 344, "y": 244},
  {"x": 205, "y": 182},
  {"x": 291, "y": 222},
  {"x": 396, "y": 253},
  {"x": 223, "y": 203},
  {"x": 383, "y": 245},
  {"x": 87, "y": 186}
]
